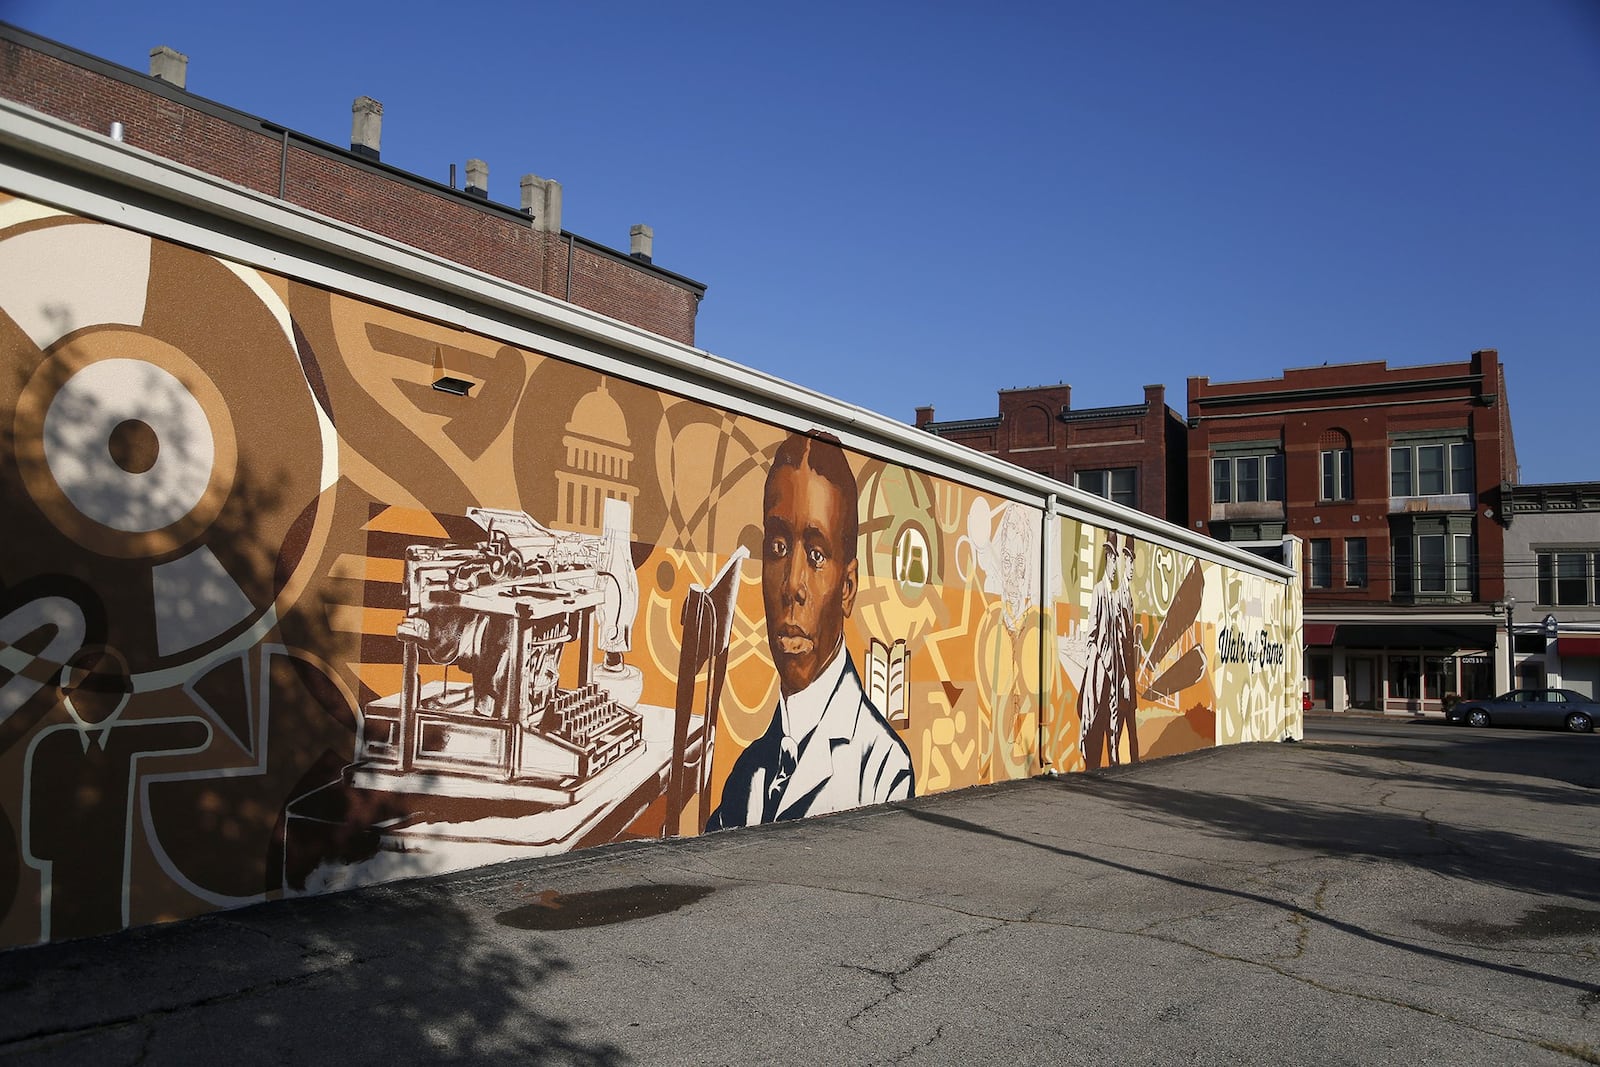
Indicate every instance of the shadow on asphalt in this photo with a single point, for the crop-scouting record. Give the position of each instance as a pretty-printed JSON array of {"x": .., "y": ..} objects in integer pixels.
[
  {"x": 1570, "y": 758},
  {"x": 1242, "y": 895},
  {"x": 1493, "y": 857},
  {"x": 369, "y": 976}
]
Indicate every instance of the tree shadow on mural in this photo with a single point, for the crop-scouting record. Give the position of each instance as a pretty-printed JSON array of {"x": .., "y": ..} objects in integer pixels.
[
  {"x": 373, "y": 976},
  {"x": 169, "y": 613}
]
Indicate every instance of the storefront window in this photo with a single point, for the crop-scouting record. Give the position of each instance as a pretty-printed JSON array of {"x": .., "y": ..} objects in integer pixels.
[
  {"x": 1477, "y": 677},
  {"x": 1405, "y": 677},
  {"x": 1438, "y": 676},
  {"x": 1319, "y": 678}
]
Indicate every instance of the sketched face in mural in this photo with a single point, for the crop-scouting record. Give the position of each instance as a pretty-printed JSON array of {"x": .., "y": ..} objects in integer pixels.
[{"x": 808, "y": 558}]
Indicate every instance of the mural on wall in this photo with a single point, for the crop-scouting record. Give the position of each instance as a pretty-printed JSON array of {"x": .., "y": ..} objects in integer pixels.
[
  {"x": 1149, "y": 644},
  {"x": 828, "y": 747},
  {"x": 277, "y": 616}
]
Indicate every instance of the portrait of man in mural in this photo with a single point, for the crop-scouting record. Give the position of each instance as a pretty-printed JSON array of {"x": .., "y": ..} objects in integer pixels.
[{"x": 827, "y": 747}]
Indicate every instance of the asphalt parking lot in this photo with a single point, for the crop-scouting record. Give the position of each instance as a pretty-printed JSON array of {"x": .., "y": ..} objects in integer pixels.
[{"x": 1383, "y": 893}]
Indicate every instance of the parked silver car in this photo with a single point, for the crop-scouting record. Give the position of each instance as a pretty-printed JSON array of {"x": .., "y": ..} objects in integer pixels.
[{"x": 1530, "y": 707}]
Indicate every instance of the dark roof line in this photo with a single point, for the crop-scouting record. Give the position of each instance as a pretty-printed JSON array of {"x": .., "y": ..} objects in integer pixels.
[
  {"x": 1121, "y": 412},
  {"x": 245, "y": 120}
]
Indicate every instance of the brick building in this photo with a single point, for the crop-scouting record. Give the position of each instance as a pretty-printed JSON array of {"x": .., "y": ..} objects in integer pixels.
[
  {"x": 524, "y": 245},
  {"x": 1132, "y": 454},
  {"x": 1553, "y": 584},
  {"x": 1396, "y": 478}
]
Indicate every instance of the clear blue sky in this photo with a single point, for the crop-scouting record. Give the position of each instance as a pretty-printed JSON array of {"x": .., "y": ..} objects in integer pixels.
[{"x": 921, "y": 203}]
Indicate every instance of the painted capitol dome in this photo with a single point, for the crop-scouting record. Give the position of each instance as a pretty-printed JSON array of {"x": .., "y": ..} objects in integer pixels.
[{"x": 598, "y": 464}]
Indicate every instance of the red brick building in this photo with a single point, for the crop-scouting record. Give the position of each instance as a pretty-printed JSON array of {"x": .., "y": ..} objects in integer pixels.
[
  {"x": 1132, "y": 454},
  {"x": 1395, "y": 478},
  {"x": 524, "y": 245}
]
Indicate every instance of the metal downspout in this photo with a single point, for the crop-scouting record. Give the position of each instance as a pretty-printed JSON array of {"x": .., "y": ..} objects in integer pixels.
[{"x": 1045, "y": 630}]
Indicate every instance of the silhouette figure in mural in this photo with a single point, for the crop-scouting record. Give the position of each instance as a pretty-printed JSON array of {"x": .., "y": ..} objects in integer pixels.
[
  {"x": 78, "y": 807},
  {"x": 1108, "y": 698},
  {"x": 1125, "y": 639},
  {"x": 827, "y": 748},
  {"x": 1099, "y": 674}
]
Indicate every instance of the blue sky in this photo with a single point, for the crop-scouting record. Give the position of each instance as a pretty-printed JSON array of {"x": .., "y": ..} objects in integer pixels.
[{"x": 903, "y": 204}]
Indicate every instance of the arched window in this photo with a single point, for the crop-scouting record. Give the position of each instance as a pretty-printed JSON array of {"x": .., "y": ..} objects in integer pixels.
[{"x": 1338, "y": 466}]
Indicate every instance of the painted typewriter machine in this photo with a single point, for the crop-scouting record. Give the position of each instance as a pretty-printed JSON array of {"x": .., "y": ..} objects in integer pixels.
[{"x": 499, "y": 616}]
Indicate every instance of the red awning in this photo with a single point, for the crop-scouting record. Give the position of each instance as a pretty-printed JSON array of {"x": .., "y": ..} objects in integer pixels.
[
  {"x": 1320, "y": 633},
  {"x": 1576, "y": 646}
]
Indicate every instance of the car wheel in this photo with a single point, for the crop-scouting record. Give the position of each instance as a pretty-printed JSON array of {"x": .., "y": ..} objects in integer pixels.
[
  {"x": 1579, "y": 723},
  {"x": 1477, "y": 717}
]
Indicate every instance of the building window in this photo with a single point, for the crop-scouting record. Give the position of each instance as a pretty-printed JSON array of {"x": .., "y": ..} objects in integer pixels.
[
  {"x": 1355, "y": 562},
  {"x": 1119, "y": 485},
  {"x": 1247, "y": 479},
  {"x": 1568, "y": 578},
  {"x": 1337, "y": 474},
  {"x": 1320, "y": 566},
  {"x": 1319, "y": 678},
  {"x": 1432, "y": 562},
  {"x": 1438, "y": 676},
  {"x": 1405, "y": 677},
  {"x": 1221, "y": 481},
  {"x": 1430, "y": 469}
]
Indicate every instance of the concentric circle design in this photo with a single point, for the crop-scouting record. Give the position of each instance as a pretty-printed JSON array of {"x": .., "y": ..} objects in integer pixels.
[
  {"x": 93, "y": 412},
  {"x": 168, "y": 452},
  {"x": 125, "y": 444}
]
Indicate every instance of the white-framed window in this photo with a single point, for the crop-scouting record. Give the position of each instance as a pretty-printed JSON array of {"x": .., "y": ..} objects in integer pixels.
[
  {"x": 1117, "y": 484},
  {"x": 1430, "y": 468},
  {"x": 1319, "y": 552},
  {"x": 1338, "y": 479},
  {"x": 1247, "y": 478},
  {"x": 1355, "y": 562},
  {"x": 1568, "y": 577},
  {"x": 1432, "y": 562}
]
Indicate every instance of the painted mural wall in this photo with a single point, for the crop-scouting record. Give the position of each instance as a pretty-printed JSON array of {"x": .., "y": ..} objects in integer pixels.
[{"x": 277, "y": 616}]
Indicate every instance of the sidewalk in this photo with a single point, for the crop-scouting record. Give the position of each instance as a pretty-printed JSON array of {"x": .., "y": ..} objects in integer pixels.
[{"x": 1259, "y": 904}]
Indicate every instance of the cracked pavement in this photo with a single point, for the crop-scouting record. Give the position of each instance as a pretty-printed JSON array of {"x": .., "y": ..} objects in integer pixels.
[{"x": 1387, "y": 893}]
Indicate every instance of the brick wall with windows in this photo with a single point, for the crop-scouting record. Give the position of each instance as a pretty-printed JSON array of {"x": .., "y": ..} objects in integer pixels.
[
  {"x": 1132, "y": 454},
  {"x": 1394, "y": 472},
  {"x": 495, "y": 238}
]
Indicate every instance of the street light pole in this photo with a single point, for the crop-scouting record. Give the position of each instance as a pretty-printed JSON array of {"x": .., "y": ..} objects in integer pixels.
[{"x": 1511, "y": 643}]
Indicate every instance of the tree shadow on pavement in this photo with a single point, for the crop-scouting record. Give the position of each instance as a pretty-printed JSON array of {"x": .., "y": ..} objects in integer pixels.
[
  {"x": 1567, "y": 758},
  {"x": 1492, "y": 857},
  {"x": 1226, "y": 828},
  {"x": 372, "y": 976}
]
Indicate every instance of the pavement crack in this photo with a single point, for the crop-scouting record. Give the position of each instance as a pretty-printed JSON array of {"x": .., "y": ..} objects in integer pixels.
[
  {"x": 47, "y": 1035},
  {"x": 938, "y": 1035},
  {"x": 895, "y": 977},
  {"x": 1583, "y": 1053}
]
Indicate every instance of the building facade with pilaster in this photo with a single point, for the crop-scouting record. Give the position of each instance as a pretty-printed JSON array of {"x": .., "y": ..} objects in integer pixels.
[
  {"x": 1553, "y": 585},
  {"x": 1397, "y": 480}
]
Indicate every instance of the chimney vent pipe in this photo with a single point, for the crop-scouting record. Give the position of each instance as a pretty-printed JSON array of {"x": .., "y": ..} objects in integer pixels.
[
  {"x": 169, "y": 65},
  {"x": 366, "y": 127},
  {"x": 478, "y": 178},
  {"x": 641, "y": 242}
]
